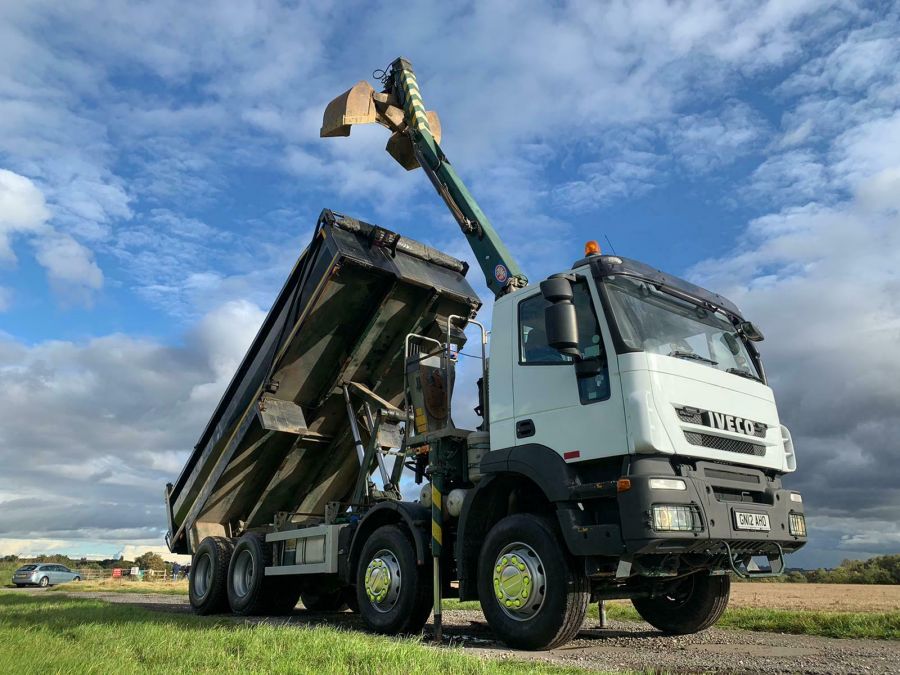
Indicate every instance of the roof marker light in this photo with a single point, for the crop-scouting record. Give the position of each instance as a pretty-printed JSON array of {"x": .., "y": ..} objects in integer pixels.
[{"x": 591, "y": 248}]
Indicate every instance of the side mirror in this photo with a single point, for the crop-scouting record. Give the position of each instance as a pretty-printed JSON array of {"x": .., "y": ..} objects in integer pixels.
[
  {"x": 559, "y": 317},
  {"x": 750, "y": 331}
]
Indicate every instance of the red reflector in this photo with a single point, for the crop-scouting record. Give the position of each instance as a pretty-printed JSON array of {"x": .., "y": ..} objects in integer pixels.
[{"x": 572, "y": 454}]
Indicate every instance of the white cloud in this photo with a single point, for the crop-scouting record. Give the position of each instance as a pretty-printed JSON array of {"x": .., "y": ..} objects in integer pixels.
[
  {"x": 91, "y": 430},
  {"x": 22, "y": 209},
  {"x": 822, "y": 279},
  {"x": 70, "y": 266}
]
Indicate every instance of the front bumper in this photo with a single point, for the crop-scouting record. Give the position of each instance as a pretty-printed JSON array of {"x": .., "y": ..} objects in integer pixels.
[{"x": 714, "y": 492}]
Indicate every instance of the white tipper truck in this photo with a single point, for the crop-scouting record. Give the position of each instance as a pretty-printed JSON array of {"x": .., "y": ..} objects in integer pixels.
[{"x": 629, "y": 446}]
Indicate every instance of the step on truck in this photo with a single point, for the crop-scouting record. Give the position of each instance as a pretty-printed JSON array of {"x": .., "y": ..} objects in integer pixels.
[{"x": 628, "y": 444}]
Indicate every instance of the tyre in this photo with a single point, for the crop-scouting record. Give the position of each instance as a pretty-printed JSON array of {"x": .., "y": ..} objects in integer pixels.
[
  {"x": 246, "y": 575},
  {"x": 207, "y": 587},
  {"x": 250, "y": 591},
  {"x": 325, "y": 601},
  {"x": 77, "y": 579},
  {"x": 532, "y": 592},
  {"x": 44, "y": 582},
  {"x": 394, "y": 593},
  {"x": 695, "y": 604}
]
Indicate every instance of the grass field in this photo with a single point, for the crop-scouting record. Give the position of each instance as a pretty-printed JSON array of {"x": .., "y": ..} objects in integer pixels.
[
  {"x": 53, "y": 633},
  {"x": 830, "y": 610}
]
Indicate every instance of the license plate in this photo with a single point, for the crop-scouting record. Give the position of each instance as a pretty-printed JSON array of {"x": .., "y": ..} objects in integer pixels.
[{"x": 751, "y": 521}]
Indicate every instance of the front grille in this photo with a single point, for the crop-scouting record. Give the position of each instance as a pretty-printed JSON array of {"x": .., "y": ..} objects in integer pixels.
[
  {"x": 695, "y": 416},
  {"x": 726, "y": 444}
]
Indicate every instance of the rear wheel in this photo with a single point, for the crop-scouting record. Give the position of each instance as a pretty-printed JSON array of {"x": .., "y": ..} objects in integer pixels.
[
  {"x": 77, "y": 579},
  {"x": 250, "y": 591},
  {"x": 533, "y": 594},
  {"x": 393, "y": 592},
  {"x": 207, "y": 586},
  {"x": 44, "y": 582},
  {"x": 694, "y": 604}
]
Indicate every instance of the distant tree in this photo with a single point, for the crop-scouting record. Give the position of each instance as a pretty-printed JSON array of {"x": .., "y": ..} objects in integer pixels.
[{"x": 150, "y": 561}]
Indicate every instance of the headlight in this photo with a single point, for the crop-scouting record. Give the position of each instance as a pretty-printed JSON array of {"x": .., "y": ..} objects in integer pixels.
[
  {"x": 667, "y": 484},
  {"x": 676, "y": 518},
  {"x": 797, "y": 524}
]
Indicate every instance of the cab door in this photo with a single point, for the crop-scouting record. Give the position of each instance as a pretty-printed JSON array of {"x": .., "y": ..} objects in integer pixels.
[{"x": 580, "y": 418}]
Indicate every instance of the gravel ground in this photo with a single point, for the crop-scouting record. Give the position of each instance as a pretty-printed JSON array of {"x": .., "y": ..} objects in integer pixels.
[{"x": 625, "y": 646}]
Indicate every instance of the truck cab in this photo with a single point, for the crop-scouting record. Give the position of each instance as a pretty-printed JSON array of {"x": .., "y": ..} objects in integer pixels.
[{"x": 636, "y": 405}]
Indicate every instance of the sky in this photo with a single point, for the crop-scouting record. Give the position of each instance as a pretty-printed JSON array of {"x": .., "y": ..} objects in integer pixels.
[{"x": 161, "y": 170}]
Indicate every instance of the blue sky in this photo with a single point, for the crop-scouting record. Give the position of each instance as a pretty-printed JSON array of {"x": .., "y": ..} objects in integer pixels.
[{"x": 160, "y": 170}]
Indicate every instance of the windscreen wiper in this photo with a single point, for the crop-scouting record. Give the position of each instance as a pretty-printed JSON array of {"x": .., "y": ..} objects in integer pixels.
[
  {"x": 691, "y": 355},
  {"x": 743, "y": 373}
]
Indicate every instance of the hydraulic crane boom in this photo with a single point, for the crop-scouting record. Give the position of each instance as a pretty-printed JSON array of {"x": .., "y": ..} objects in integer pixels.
[{"x": 414, "y": 143}]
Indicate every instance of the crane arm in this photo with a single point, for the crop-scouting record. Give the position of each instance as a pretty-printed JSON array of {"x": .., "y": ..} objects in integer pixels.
[{"x": 414, "y": 143}]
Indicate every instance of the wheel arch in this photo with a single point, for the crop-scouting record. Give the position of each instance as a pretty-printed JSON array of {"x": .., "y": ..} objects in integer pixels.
[
  {"x": 414, "y": 517},
  {"x": 525, "y": 479}
]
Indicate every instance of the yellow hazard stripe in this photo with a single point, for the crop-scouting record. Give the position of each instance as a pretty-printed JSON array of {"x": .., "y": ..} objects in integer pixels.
[
  {"x": 415, "y": 107},
  {"x": 436, "y": 533}
]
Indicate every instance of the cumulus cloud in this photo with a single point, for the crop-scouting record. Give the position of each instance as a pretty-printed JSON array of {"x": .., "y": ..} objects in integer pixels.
[
  {"x": 22, "y": 209},
  {"x": 70, "y": 266},
  {"x": 821, "y": 275},
  {"x": 92, "y": 430}
]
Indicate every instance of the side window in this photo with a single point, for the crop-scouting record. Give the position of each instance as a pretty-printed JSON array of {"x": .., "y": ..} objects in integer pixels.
[
  {"x": 591, "y": 388},
  {"x": 533, "y": 347},
  {"x": 534, "y": 350}
]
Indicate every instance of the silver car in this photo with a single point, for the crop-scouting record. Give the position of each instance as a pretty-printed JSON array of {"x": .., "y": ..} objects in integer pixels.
[{"x": 44, "y": 574}]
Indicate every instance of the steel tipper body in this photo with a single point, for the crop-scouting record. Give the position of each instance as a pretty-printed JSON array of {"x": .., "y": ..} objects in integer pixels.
[{"x": 278, "y": 447}]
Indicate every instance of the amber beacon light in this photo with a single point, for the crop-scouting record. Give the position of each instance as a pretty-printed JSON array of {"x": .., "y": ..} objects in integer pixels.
[{"x": 592, "y": 248}]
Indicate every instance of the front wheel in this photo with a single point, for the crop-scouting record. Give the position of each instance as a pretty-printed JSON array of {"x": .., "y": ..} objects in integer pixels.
[
  {"x": 77, "y": 579},
  {"x": 692, "y": 605},
  {"x": 393, "y": 592},
  {"x": 533, "y": 594}
]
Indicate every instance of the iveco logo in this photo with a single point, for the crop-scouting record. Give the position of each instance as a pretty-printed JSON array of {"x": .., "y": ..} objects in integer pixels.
[{"x": 730, "y": 423}]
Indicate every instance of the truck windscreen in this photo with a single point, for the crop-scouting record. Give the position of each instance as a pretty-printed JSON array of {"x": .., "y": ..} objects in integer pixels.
[{"x": 653, "y": 321}]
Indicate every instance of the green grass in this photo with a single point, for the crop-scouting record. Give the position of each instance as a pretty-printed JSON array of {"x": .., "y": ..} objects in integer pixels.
[
  {"x": 876, "y": 625},
  {"x": 53, "y": 633}
]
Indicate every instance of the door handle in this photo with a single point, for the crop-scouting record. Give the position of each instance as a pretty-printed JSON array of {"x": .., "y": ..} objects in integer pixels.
[{"x": 524, "y": 429}]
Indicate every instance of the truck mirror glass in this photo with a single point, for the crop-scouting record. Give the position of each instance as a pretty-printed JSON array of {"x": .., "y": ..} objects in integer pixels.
[
  {"x": 750, "y": 331},
  {"x": 559, "y": 317}
]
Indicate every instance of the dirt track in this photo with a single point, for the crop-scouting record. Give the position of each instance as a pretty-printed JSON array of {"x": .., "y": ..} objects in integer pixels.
[{"x": 624, "y": 646}]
